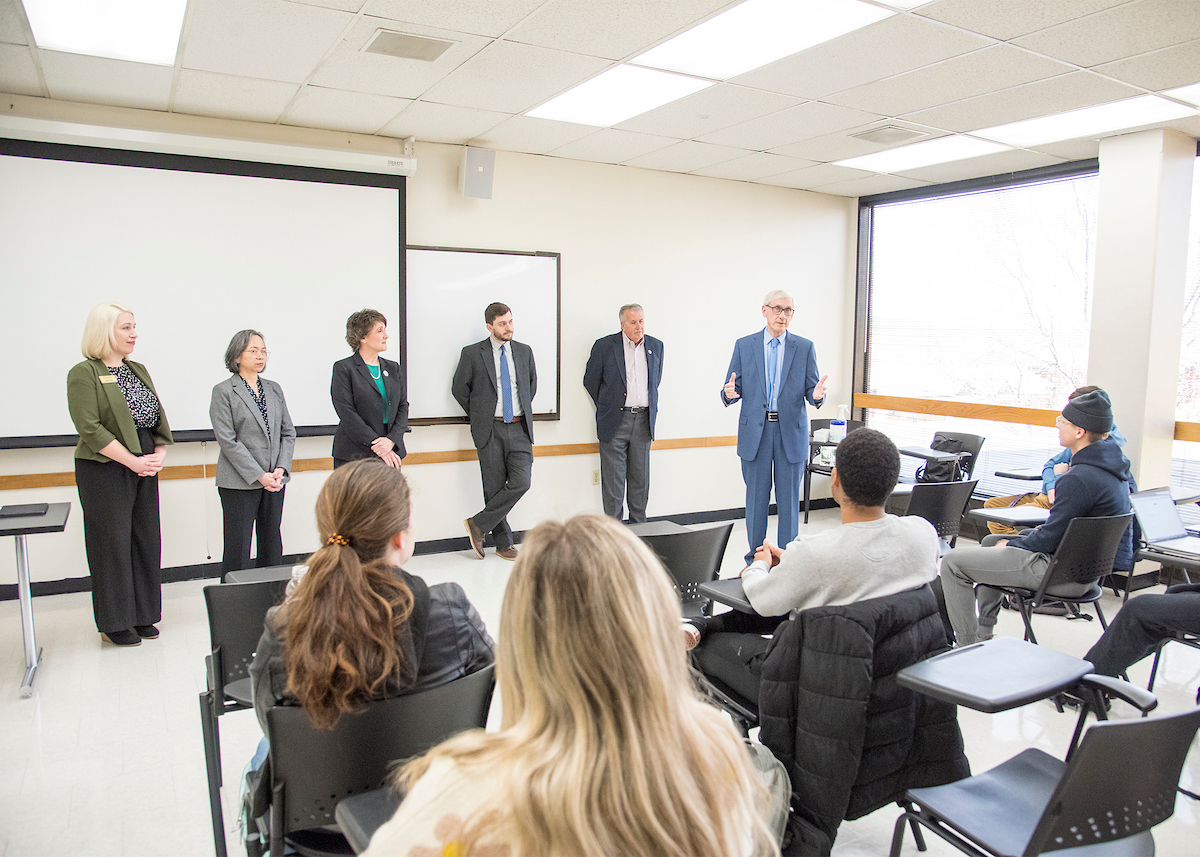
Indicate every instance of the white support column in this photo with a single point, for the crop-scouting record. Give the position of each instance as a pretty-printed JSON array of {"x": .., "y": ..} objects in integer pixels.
[{"x": 1137, "y": 308}]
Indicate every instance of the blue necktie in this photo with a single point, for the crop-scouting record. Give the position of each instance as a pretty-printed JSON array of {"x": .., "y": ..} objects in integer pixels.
[
  {"x": 772, "y": 361},
  {"x": 505, "y": 386}
]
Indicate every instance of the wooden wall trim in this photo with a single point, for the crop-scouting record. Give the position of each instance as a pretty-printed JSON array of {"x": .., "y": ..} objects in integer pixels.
[
  {"x": 1187, "y": 431},
  {"x": 301, "y": 465},
  {"x": 967, "y": 410}
]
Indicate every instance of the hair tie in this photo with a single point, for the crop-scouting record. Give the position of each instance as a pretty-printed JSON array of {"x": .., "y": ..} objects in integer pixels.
[{"x": 336, "y": 539}]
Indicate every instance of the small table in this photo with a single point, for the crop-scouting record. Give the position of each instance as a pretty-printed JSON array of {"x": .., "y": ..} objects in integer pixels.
[
  {"x": 930, "y": 454},
  {"x": 728, "y": 591},
  {"x": 1183, "y": 496},
  {"x": 1025, "y": 474},
  {"x": 658, "y": 528},
  {"x": 1013, "y": 516},
  {"x": 360, "y": 815},
  {"x": 995, "y": 675},
  {"x": 54, "y": 520},
  {"x": 257, "y": 575}
]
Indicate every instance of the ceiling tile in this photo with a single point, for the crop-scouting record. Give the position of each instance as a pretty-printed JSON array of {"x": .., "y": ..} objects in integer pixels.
[
  {"x": 1008, "y": 19},
  {"x": 343, "y": 5},
  {"x": 18, "y": 72},
  {"x": 207, "y": 94},
  {"x": 338, "y": 110},
  {"x": 527, "y": 134},
  {"x": 869, "y": 186},
  {"x": 709, "y": 110},
  {"x": 686, "y": 156},
  {"x": 1072, "y": 150},
  {"x": 348, "y": 67},
  {"x": 609, "y": 28},
  {"x": 270, "y": 39},
  {"x": 991, "y": 69},
  {"x": 439, "y": 123},
  {"x": 1125, "y": 31},
  {"x": 753, "y": 166},
  {"x": 842, "y": 144},
  {"x": 891, "y": 46},
  {"x": 986, "y": 165},
  {"x": 12, "y": 23},
  {"x": 811, "y": 177},
  {"x": 481, "y": 17},
  {"x": 513, "y": 78},
  {"x": 1178, "y": 65},
  {"x": 74, "y": 77},
  {"x": 1042, "y": 98},
  {"x": 813, "y": 119},
  {"x": 611, "y": 146}
]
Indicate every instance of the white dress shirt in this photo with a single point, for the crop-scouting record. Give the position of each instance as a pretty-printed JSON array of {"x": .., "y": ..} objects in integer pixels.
[{"x": 637, "y": 384}]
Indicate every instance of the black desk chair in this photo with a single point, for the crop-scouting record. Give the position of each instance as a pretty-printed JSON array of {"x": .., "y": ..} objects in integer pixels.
[
  {"x": 942, "y": 504},
  {"x": 811, "y": 467},
  {"x": 1084, "y": 556},
  {"x": 1034, "y": 803},
  {"x": 971, "y": 445},
  {"x": 235, "y": 623},
  {"x": 692, "y": 558},
  {"x": 312, "y": 770}
]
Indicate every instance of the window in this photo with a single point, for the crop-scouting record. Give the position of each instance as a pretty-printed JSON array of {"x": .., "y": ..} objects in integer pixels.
[{"x": 1185, "y": 455}]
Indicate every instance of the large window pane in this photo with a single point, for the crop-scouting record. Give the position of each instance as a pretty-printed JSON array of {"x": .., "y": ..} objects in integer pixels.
[{"x": 1185, "y": 457}]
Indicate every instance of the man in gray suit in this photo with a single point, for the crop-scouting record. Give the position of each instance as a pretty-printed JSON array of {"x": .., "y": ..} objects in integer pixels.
[{"x": 495, "y": 383}]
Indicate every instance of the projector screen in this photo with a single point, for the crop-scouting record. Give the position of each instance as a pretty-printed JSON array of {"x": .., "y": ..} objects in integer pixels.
[{"x": 198, "y": 248}]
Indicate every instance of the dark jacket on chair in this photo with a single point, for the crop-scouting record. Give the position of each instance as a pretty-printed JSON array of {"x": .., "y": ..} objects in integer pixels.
[{"x": 831, "y": 710}]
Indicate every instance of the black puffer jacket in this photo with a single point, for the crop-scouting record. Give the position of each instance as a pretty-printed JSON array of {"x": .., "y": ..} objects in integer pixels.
[{"x": 831, "y": 710}]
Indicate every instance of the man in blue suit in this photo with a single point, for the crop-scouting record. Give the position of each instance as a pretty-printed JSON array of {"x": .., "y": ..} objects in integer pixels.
[
  {"x": 622, "y": 377},
  {"x": 773, "y": 373}
]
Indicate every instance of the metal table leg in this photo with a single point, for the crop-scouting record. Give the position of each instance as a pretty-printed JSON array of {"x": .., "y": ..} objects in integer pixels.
[{"x": 33, "y": 655}]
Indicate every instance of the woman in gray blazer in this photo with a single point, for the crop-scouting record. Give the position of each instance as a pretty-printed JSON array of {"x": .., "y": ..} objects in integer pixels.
[{"x": 256, "y": 438}]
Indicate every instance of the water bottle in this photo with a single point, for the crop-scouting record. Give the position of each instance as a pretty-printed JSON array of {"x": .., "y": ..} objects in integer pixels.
[{"x": 837, "y": 428}]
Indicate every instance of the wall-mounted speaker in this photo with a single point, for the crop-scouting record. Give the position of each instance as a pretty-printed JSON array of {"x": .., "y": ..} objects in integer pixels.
[{"x": 476, "y": 173}]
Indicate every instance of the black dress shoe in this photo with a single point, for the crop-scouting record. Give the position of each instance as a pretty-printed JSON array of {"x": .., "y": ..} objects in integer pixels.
[
  {"x": 121, "y": 638},
  {"x": 146, "y": 632}
]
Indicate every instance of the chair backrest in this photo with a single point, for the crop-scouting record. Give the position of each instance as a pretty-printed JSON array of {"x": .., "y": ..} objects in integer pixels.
[
  {"x": 312, "y": 769},
  {"x": 972, "y": 443},
  {"x": 691, "y": 558},
  {"x": 1102, "y": 797},
  {"x": 942, "y": 504},
  {"x": 235, "y": 623},
  {"x": 1087, "y": 550}
]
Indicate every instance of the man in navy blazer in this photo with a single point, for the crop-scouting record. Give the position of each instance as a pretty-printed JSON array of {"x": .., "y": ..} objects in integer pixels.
[
  {"x": 622, "y": 377},
  {"x": 773, "y": 373},
  {"x": 495, "y": 383}
]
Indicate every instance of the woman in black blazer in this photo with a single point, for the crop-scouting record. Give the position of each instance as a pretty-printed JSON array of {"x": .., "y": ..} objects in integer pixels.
[{"x": 369, "y": 395}]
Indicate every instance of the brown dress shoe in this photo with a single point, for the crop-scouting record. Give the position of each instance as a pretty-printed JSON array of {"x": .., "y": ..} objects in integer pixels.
[
  {"x": 509, "y": 553},
  {"x": 475, "y": 536}
]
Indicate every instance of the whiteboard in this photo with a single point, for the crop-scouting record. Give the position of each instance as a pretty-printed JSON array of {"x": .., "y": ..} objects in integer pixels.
[
  {"x": 197, "y": 256},
  {"x": 446, "y": 293}
]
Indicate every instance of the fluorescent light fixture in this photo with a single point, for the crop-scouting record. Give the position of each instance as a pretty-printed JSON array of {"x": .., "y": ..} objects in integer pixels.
[
  {"x": 758, "y": 32},
  {"x": 144, "y": 31},
  {"x": 1087, "y": 122},
  {"x": 1190, "y": 94},
  {"x": 617, "y": 94},
  {"x": 956, "y": 147}
]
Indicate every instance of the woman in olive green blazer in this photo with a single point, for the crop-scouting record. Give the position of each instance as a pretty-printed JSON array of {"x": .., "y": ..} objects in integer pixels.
[{"x": 123, "y": 436}]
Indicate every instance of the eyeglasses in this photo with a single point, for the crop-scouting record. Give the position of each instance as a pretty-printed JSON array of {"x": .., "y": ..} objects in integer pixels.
[
  {"x": 1061, "y": 421},
  {"x": 255, "y": 352},
  {"x": 785, "y": 311}
]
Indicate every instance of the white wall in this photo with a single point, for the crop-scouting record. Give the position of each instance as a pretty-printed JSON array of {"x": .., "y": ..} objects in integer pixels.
[{"x": 697, "y": 253}]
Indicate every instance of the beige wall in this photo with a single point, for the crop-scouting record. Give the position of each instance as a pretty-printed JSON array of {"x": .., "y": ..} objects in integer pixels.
[{"x": 697, "y": 253}]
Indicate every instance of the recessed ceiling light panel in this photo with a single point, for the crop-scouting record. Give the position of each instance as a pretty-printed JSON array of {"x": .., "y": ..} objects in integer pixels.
[
  {"x": 1087, "y": 122},
  {"x": 616, "y": 95},
  {"x": 144, "y": 31},
  {"x": 758, "y": 32},
  {"x": 1190, "y": 94},
  {"x": 943, "y": 150}
]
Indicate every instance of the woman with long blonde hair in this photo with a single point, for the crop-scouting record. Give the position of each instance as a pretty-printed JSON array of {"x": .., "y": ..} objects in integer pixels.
[{"x": 606, "y": 748}]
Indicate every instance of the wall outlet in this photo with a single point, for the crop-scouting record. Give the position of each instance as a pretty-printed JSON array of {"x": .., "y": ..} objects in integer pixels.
[{"x": 595, "y": 477}]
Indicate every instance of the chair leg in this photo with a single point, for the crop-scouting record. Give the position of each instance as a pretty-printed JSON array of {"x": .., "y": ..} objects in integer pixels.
[
  {"x": 208, "y": 728},
  {"x": 1100, "y": 615},
  {"x": 1154, "y": 666},
  {"x": 1026, "y": 612}
]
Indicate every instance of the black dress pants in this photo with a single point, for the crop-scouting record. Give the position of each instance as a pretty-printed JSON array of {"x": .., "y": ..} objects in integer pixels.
[
  {"x": 123, "y": 539},
  {"x": 733, "y": 649},
  {"x": 244, "y": 512}
]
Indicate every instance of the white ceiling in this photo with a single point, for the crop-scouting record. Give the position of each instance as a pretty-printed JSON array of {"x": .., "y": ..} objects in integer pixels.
[{"x": 946, "y": 66}]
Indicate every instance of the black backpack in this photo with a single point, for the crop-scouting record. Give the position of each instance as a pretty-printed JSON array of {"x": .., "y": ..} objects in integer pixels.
[{"x": 944, "y": 471}]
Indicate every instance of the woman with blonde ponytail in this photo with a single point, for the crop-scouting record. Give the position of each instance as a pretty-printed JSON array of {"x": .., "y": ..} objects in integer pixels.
[
  {"x": 605, "y": 747},
  {"x": 356, "y": 626}
]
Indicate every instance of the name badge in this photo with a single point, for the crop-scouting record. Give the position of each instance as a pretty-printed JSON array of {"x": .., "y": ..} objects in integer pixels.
[{"x": 107, "y": 379}]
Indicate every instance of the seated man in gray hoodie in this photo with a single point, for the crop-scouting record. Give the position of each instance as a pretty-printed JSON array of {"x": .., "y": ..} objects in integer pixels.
[
  {"x": 872, "y": 554},
  {"x": 1096, "y": 484}
]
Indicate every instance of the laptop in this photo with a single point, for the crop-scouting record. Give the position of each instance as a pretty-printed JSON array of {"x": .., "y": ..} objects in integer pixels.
[{"x": 1161, "y": 525}]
